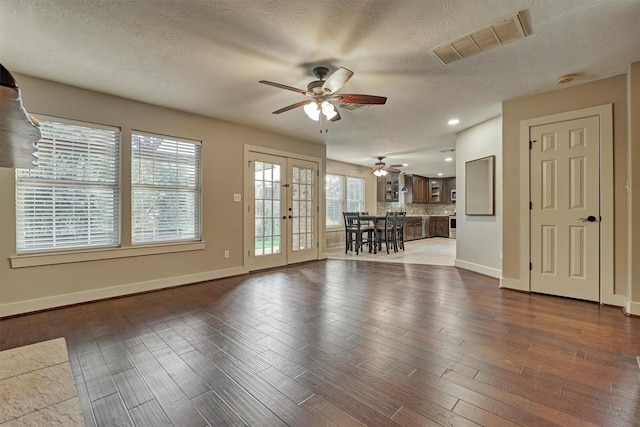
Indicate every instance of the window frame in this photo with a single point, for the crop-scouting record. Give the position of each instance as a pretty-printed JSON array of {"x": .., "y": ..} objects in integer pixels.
[
  {"x": 360, "y": 201},
  {"x": 331, "y": 202},
  {"x": 344, "y": 201},
  {"x": 60, "y": 147},
  {"x": 177, "y": 188}
]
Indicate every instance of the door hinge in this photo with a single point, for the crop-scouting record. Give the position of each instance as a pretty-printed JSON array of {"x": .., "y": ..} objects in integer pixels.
[
  {"x": 530, "y": 205},
  {"x": 530, "y": 266},
  {"x": 249, "y": 253},
  {"x": 318, "y": 245},
  {"x": 531, "y": 144},
  {"x": 248, "y": 163}
]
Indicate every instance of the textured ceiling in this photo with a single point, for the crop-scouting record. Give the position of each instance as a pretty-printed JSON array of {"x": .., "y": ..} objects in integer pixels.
[{"x": 207, "y": 56}]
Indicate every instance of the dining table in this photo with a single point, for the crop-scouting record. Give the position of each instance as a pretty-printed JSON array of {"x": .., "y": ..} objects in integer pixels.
[{"x": 374, "y": 219}]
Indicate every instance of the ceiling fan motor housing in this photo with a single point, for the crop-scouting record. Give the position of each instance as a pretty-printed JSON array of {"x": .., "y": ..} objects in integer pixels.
[{"x": 315, "y": 88}]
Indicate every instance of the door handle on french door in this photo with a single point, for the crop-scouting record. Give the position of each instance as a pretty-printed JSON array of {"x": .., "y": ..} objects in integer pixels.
[
  {"x": 284, "y": 217},
  {"x": 590, "y": 218}
]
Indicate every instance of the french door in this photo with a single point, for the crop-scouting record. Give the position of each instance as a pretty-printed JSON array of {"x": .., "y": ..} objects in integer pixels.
[{"x": 282, "y": 210}]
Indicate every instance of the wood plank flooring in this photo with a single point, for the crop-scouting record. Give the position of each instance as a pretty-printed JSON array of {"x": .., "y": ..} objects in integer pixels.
[{"x": 346, "y": 343}]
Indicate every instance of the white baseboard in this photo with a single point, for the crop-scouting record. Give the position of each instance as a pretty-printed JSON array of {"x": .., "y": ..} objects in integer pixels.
[
  {"x": 632, "y": 308},
  {"x": 516, "y": 284},
  {"x": 20, "y": 307},
  {"x": 482, "y": 269}
]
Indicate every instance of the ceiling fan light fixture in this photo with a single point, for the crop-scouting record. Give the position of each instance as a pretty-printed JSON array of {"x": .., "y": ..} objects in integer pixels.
[
  {"x": 328, "y": 110},
  {"x": 380, "y": 172},
  {"x": 312, "y": 109}
]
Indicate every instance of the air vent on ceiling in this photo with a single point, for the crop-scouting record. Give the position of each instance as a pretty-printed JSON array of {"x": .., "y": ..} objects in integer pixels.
[{"x": 501, "y": 32}]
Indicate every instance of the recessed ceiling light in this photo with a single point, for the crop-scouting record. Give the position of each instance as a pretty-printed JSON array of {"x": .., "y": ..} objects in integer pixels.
[
  {"x": 448, "y": 159},
  {"x": 440, "y": 174},
  {"x": 453, "y": 121}
]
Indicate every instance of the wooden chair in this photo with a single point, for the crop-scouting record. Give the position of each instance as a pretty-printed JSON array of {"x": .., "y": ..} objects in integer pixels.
[
  {"x": 355, "y": 232},
  {"x": 385, "y": 232},
  {"x": 399, "y": 234}
]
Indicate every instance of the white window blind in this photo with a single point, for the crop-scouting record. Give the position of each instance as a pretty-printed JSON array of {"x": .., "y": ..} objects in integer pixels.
[
  {"x": 335, "y": 199},
  {"x": 165, "y": 189},
  {"x": 355, "y": 194},
  {"x": 72, "y": 199}
]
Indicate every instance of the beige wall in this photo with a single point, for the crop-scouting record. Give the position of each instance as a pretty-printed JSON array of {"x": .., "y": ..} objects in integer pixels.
[
  {"x": 633, "y": 164},
  {"x": 40, "y": 287},
  {"x": 606, "y": 91}
]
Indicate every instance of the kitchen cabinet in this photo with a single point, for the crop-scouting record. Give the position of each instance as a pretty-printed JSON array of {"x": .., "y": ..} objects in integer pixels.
[
  {"x": 438, "y": 226},
  {"x": 388, "y": 187},
  {"x": 417, "y": 191},
  {"x": 448, "y": 184},
  {"x": 435, "y": 190},
  {"x": 412, "y": 228}
]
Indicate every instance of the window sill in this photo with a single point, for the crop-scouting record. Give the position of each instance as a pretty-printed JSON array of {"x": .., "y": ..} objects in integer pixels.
[{"x": 21, "y": 261}]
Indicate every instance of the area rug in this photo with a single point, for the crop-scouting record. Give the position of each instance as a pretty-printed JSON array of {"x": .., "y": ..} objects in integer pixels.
[{"x": 37, "y": 386}]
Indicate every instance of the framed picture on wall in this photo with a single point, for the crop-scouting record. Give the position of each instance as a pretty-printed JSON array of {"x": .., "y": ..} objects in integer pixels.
[{"x": 479, "y": 186}]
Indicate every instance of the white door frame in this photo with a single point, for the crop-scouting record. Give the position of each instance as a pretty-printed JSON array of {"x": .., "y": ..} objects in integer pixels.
[
  {"x": 248, "y": 191},
  {"x": 605, "y": 114}
]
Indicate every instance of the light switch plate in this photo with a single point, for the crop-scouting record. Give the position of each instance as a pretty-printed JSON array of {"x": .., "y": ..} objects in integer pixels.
[{"x": 237, "y": 197}]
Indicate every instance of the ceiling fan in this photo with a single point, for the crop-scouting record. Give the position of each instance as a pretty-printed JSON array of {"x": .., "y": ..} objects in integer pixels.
[
  {"x": 324, "y": 96},
  {"x": 381, "y": 168}
]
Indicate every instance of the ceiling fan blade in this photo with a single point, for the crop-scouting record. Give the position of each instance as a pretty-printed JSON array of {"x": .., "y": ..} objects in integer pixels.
[
  {"x": 281, "y": 86},
  {"x": 336, "y": 80},
  {"x": 291, "y": 107},
  {"x": 350, "y": 98}
]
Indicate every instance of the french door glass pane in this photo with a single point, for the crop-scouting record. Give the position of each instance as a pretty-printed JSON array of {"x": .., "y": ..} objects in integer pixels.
[
  {"x": 267, "y": 208},
  {"x": 302, "y": 195}
]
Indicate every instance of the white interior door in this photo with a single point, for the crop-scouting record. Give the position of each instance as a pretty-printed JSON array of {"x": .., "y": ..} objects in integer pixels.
[
  {"x": 565, "y": 212},
  {"x": 282, "y": 207}
]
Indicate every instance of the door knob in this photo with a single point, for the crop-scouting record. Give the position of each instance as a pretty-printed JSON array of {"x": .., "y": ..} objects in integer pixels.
[
  {"x": 590, "y": 218},
  {"x": 284, "y": 217}
]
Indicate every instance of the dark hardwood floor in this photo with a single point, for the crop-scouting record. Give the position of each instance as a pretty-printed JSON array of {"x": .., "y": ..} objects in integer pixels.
[{"x": 346, "y": 343}]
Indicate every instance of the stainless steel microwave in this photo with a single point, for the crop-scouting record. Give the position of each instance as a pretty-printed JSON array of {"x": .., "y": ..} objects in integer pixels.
[{"x": 453, "y": 195}]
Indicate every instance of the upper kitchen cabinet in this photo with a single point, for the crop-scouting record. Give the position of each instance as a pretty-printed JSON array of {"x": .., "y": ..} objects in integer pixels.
[
  {"x": 449, "y": 185},
  {"x": 435, "y": 190},
  {"x": 417, "y": 189},
  {"x": 388, "y": 188}
]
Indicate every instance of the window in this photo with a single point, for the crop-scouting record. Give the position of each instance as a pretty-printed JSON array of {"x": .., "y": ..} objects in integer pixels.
[
  {"x": 355, "y": 194},
  {"x": 336, "y": 203},
  {"x": 335, "y": 199},
  {"x": 72, "y": 199},
  {"x": 165, "y": 189}
]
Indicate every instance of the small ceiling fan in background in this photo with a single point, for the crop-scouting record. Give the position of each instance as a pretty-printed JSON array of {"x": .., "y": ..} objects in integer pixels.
[
  {"x": 381, "y": 168},
  {"x": 324, "y": 96}
]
